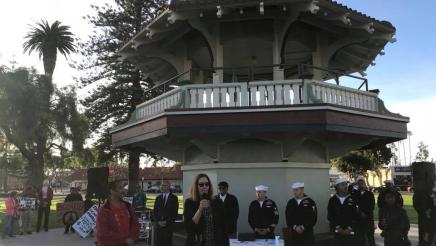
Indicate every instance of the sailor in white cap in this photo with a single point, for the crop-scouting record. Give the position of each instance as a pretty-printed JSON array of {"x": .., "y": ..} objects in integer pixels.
[
  {"x": 342, "y": 214},
  {"x": 365, "y": 201},
  {"x": 301, "y": 216},
  {"x": 263, "y": 215}
]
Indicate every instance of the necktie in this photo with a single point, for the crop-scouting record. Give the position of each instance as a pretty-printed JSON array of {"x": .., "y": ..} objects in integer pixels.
[{"x": 165, "y": 199}]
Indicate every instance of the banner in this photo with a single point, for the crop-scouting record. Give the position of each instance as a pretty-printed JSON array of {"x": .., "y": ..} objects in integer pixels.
[
  {"x": 128, "y": 199},
  {"x": 87, "y": 222},
  {"x": 69, "y": 212},
  {"x": 26, "y": 203}
]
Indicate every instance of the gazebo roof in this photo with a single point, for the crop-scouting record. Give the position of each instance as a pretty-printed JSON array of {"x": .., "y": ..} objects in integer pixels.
[{"x": 370, "y": 35}]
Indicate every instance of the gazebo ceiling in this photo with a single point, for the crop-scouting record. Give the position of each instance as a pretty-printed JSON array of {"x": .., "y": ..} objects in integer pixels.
[{"x": 357, "y": 38}]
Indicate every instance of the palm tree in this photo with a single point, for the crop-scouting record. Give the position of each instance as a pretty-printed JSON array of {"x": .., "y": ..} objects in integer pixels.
[{"x": 47, "y": 41}]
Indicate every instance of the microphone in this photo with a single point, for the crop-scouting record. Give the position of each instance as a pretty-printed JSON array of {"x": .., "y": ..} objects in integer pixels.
[{"x": 204, "y": 196}]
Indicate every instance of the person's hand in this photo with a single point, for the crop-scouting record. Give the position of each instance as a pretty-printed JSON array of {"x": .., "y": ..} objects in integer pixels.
[
  {"x": 204, "y": 204},
  {"x": 299, "y": 229},
  {"x": 426, "y": 237},
  {"x": 130, "y": 242},
  {"x": 162, "y": 223}
]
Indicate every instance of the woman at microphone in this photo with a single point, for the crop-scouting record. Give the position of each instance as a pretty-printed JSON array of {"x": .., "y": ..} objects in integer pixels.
[{"x": 204, "y": 216}]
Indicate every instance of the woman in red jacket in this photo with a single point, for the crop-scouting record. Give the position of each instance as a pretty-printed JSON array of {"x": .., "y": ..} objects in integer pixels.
[
  {"x": 117, "y": 224},
  {"x": 10, "y": 214}
]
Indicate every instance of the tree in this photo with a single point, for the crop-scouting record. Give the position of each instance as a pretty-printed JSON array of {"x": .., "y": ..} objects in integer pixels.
[
  {"x": 423, "y": 153},
  {"x": 118, "y": 85},
  {"x": 358, "y": 162},
  {"x": 47, "y": 40},
  {"x": 36, "y": 117}
]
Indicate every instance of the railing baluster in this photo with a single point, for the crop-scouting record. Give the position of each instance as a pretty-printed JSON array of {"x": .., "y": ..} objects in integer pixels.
[{"x": 279, "y": 94}]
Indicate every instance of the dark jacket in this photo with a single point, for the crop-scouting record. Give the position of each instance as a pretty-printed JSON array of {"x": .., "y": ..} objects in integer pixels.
[
  {"x": 365, "y": 202},
  {"x": 265, "y": 216},
  {"x": 88, "y": 203},
  {"x": 231, "y": 212},
  {"x": 73, "y": 198},
  {"x": 45, "y": 202},
  {"x": 342, "y": 215},
  {"x": 304, "y": 213},
  {"x": 166, "y": 212},
  {"x": 397, "y": 226},
  {"x": 381, "y": 197},
  {"x": 195, "y": 231}
]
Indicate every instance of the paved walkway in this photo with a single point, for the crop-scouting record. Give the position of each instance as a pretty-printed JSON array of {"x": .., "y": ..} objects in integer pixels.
[{"x": 56, "y": 237}]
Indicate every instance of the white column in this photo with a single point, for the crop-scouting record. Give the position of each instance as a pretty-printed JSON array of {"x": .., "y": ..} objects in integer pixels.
[
  {"x": 278, "y": 73},
  {"x": 318, "y": 57},
  {"x": 218, "y": 76}
]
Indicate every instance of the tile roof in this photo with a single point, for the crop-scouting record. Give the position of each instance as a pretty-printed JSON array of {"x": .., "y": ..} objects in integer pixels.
[{"x": 152, "y": 173}]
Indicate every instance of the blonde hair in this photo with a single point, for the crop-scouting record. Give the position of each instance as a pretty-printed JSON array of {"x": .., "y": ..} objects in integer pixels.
[{"x": 194, "y": 193}]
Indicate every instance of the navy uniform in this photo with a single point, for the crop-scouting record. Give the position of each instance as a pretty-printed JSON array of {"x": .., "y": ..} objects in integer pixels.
[
  {"x": 263, "y": 215},
  {"x": 301, "y": 213},
  {"x": 342, "y": 214},
  {"x": 365, "y": 202}
]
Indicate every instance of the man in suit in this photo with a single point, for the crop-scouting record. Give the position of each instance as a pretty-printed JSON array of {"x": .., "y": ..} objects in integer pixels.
[
  {"x": 165, "y": 211},
  {"x": 230, "y": 206}
]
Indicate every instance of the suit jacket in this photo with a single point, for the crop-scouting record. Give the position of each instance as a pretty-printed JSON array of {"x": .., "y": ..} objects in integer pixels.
[
  {"x": 231, "y": 212},
  {"x": 166, "y": 212}
]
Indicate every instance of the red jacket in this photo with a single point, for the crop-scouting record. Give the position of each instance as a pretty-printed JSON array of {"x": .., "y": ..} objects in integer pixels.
[
  {"x": 110, "y": 231},
  {"x": 47, "y": 201},
  {"x": 11, "y": 206}
]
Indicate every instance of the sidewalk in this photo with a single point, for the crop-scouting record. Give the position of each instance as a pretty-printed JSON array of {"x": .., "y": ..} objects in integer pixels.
[{"x": 57, "y": 237}]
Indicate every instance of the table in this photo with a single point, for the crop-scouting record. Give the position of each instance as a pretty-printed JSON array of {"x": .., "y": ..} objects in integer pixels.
[{"x": 258, "y": 242}]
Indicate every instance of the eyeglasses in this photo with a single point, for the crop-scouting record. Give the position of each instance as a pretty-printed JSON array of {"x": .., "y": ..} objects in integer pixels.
[{"x": 203, "y": 184}]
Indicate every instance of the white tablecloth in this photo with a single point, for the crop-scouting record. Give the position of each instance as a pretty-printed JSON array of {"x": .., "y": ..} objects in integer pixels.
[{"x": 259, "y": 242}]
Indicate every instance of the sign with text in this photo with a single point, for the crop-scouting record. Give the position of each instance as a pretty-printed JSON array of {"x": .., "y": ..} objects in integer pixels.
[
  {"x": 69, "y": 212},
  {"x": 87, "y": 222},
  {"x": 128, "y": 199},
  {"x": 26, "y": 202}
]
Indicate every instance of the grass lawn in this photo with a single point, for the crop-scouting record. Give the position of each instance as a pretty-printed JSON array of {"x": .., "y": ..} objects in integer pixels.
[{"x": 152, "y": 197}]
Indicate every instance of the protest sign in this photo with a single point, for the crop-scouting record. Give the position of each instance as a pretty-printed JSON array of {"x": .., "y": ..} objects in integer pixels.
[
  {"x": 26, "y": 202},
  {"x": 128, "y": 199},
  {"x": 87, "y": 222},
  {"x": 68, "y": 212}
]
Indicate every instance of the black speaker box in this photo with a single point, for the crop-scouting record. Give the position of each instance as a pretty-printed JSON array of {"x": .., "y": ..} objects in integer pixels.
[
  {"x": 423, "y": 176},
  {"x": 98, "y": 182}
]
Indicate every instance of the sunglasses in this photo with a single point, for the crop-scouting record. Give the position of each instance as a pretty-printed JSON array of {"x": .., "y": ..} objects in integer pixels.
[{"x": 203, "y": 184}]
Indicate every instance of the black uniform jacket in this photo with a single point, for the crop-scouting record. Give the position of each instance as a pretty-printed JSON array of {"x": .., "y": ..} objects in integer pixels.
[
  {"x": 265, "y": 216},
  {"x": 304, "y": 214},
  {"x": 365, "y": 202},
  {"x": 231, "y": 212},
  {"x": 397, "y": 223},
  {"x": 342, "y": 215},
  {"x": 166, "y": 211}
]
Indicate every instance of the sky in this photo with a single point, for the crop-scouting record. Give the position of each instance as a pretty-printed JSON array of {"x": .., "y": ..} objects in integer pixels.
[{"x": 405, "y": 74}]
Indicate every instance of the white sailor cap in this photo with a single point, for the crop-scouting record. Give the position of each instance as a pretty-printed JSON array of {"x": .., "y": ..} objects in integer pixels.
[
  {"x": 360, "y": 178},
  {"x": 388, "y": 181},
  {"x": 340, "y": 181},
  {"x": 297, "y": 185},
  {"x": 261, "y": 188}
]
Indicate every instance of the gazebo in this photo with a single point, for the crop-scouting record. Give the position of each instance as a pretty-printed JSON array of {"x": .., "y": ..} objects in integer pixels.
[{"x": 253, "y": 92}]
